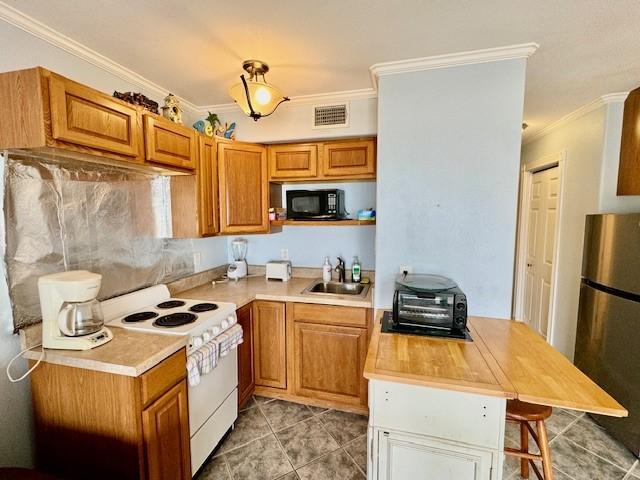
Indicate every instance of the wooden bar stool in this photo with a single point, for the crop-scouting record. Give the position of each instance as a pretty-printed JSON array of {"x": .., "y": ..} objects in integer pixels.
[{"x": 523, "y": 413}]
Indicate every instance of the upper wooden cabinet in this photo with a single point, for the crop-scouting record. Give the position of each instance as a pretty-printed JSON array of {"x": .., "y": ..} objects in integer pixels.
[
  {"x": 167, "y": 143},
  {"x": 40, "y": 109},
  {"x": 349, "y": 159},
  {"x": 629, "y": 170},
  {"x": 244, "y": 187},
  {"x": 331, "y": 160},
  {"x": 293, "y": 161},
  {"x": 208, "y": 182}
]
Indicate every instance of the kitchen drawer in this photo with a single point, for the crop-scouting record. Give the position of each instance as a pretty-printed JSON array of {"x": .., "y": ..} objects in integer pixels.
[
  {"x": 451, "y": 415},
  {"x": 163, "y": 376},
  {"x": 330, "y": 315}
]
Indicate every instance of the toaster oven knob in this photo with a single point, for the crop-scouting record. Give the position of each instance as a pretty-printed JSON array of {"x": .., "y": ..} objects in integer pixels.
[
  {"x": 460, "y": 306},
  {"x": 459, "y": 322}
]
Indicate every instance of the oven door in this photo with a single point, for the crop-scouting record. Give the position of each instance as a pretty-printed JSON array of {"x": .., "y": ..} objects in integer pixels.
[
  {"x": 432, "y": 310},
  {"x": 306, "y": 204}
]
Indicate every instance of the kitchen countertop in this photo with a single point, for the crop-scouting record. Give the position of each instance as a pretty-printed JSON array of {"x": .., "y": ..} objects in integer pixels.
[
  {"x": 252, "y": 288},
  {"x": 132, "y": 353},
  {"x": 505, "y": 359}
]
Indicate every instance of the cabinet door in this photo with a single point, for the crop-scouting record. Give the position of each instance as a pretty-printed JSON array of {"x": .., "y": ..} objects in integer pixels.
[
  {"x": 629, "y": 169},
  {"x": 165, "y": 426},
  {"x": 401, "y": 456},
  {"x": 246, "y": 373},
  {"x": 329, "y": 362},
  {"x": 208, "y": 181},
  {"x": 83, "y": 116},
  {"x": 167, "y": 143},
  {"x": 349, "y": 159},
  {"x": 270, "y": 344},
  {"x": 244, "y": 188},
  {"x": 294, "y": 161}
]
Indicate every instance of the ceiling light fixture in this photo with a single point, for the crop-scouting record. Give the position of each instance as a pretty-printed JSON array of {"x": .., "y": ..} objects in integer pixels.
[{"x": 255, "y": 96}]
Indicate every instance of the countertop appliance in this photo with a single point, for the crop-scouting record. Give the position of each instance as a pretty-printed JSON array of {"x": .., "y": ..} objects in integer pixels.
[
  {"x": 428, "y": 305},
  {"x": 238, "y": 268},
  {"x": 608, "y": 334},
  {"x": 71, "y": 315},
  {"x": 327, "y": 204},
  {"x": 278, "y": 270},
  {"x": 213, "y": 402}
]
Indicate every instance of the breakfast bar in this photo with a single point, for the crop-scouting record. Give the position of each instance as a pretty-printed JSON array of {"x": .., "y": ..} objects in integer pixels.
[{"x": 437, "y": 406}]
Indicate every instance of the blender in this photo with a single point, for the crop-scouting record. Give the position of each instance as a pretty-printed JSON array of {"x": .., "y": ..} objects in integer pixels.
[{"x": 238, "y": 267}]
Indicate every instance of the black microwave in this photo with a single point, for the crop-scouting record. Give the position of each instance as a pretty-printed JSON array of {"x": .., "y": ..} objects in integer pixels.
[{"x": 316, "y": 204}]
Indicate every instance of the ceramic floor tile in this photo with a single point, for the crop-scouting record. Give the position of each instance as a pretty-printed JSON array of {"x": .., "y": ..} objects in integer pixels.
[
  {"x": 317, "y": 410},
  {"x": 560, "y": 420},
  {"x": 260, "y": 400},
  {"x": 635, "y": 471},
  {"x": 358, "y": 451},
  {"x": 262, "y": 459},
  {"x": 580, "y": 464},
  {"x": 290, "y": 476},
  {"x": 250, "y": 425},
  {"x": 574, "y": 413},
  {"x": 590, "y": 436},
  {"x": 214, "y": 469},
  {"x": 334, "y": 466},
  {"x": 282, "y": 414},
  {"x": 306, "y": 441},
  {"x": 344, "y": 426},
  {"x": 557, "y": 475},
  {"x": 249, "y": 403}
]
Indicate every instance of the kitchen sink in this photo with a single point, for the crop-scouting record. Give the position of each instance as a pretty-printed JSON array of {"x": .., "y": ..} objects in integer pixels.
[{"x": 318, "y": 287}]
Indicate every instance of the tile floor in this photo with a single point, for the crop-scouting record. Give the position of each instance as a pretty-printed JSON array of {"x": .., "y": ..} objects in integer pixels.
[{"x": 276, "y": 439}]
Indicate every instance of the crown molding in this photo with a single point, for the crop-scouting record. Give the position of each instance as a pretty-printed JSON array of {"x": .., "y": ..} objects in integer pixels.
[
  {"x": 577, "y": 113},
  {"x": 314, "y": 99},
  {"x": 524, "y": 50},
  {"x": 59, "y": 40}
]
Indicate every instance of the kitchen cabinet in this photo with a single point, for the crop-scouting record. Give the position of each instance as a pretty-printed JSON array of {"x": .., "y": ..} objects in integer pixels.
[
  {"x": 140, "y": 421},
  {"x": 629, "y": 169},
  {"x": 246, "y": 372},
  {"x": 349, "y": 159},
  {"x": 293, "y": 161},
  {"x": 330, "y": 348},
  {"x": 169, "y": 144},
  {"x": 270, "y": 344},
  {"x": 208, "y": 184},
  {"x": 165, "y": 426},
  {"x": 43, "y": 110},
  {"x": 244, "y": 188}
]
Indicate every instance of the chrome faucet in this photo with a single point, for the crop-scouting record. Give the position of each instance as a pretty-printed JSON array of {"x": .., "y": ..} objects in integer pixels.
[{"x": 340, "y": 268}]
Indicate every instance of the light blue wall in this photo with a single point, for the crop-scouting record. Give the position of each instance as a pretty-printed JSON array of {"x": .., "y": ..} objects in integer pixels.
[
  {"x": 448, "y": 168},
  {"x": 309, "y": 245}
]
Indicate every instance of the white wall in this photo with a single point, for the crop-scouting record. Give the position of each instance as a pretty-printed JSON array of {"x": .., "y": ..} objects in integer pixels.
[
  {"x": 21, "y": 50},
  {"x": 448, "y": 169},
  {"x": 309, "y": 245},
  {"x": 583, "y": 141},
  {"x": 609, "y": 202}
]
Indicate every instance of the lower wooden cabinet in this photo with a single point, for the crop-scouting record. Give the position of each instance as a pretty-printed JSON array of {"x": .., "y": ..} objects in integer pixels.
[
  {"x": 165, "y": 426},
  {"x": 100, "y": 425},
  {"x": 270, "y": 344},
  {"x": 246, "y": 372}
]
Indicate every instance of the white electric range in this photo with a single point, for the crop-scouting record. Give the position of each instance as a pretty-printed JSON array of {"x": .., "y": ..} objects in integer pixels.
[{"x": 213, "y": 402}]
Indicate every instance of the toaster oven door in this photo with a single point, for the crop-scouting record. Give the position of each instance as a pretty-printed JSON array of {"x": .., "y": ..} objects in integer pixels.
[{"x": 433, "y": 310}]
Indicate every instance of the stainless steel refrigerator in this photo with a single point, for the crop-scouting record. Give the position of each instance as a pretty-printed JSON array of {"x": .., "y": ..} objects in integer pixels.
[{"x": 608, "y": 335}]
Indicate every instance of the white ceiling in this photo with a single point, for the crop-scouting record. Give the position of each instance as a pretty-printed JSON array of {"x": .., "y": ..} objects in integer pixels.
[{"x": 588, "y": 48}]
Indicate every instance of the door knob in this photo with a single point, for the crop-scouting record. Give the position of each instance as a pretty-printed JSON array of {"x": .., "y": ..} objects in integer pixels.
[{"x": 529, "y": 264}]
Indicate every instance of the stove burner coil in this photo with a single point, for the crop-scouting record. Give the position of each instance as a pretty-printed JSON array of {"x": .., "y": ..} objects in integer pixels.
[
  {"x": 203, "y": 307},
  {"x": 139, "y": 317},
  {"x": 175, "y": 320},
  {"x": 171, "y": 304}
]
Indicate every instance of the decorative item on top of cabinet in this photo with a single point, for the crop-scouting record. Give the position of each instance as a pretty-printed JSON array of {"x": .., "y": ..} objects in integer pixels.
[
  {"x": 270, "y": 344},
  {"x": 171, "y": 109},
  {"x": 352, "y": 158},
  {"x": 244, "y": 187},
  {"x": 246, "y": 372},
  {"x": 40, "y": 109},
  {"x": 330, "y": 348},
  {"x": 167, "y": 143},
  {"x": 208, "y": 180},
  {"x": 297, "y": 160},
  {"x": 137, "y": 99},
  {"x": 629, "y": 169}
]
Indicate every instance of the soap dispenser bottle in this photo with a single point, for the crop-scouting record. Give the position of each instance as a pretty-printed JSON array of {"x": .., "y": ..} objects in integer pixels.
[
  {"x": 356, "y": 271},
  {"x": 327, "y": 268}
]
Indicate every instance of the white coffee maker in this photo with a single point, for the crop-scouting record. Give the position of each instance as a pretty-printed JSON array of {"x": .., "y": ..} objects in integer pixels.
[{"x": 71, "y": 315}]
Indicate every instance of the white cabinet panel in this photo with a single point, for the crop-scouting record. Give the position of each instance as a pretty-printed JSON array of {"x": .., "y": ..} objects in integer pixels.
[{"x": 409, "y": 457}]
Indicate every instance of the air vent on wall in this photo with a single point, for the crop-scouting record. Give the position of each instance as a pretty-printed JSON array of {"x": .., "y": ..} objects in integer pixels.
[{"x": 331, "y": 116}]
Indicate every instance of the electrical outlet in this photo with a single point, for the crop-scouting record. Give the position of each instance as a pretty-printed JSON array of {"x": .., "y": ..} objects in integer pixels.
[
  {"x": 197, "y": 260},
  {"x": 406, "y": 268},
  {"x": 284, "y": 254}
]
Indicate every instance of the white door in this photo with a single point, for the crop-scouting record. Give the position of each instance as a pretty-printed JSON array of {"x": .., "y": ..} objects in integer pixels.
[
  {"x": 540, "y": 247},
  {"x": 410, "y": 457}
]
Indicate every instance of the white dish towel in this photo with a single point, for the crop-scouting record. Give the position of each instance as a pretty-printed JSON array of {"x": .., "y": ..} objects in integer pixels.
[{"x": 229, "y": 340}]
